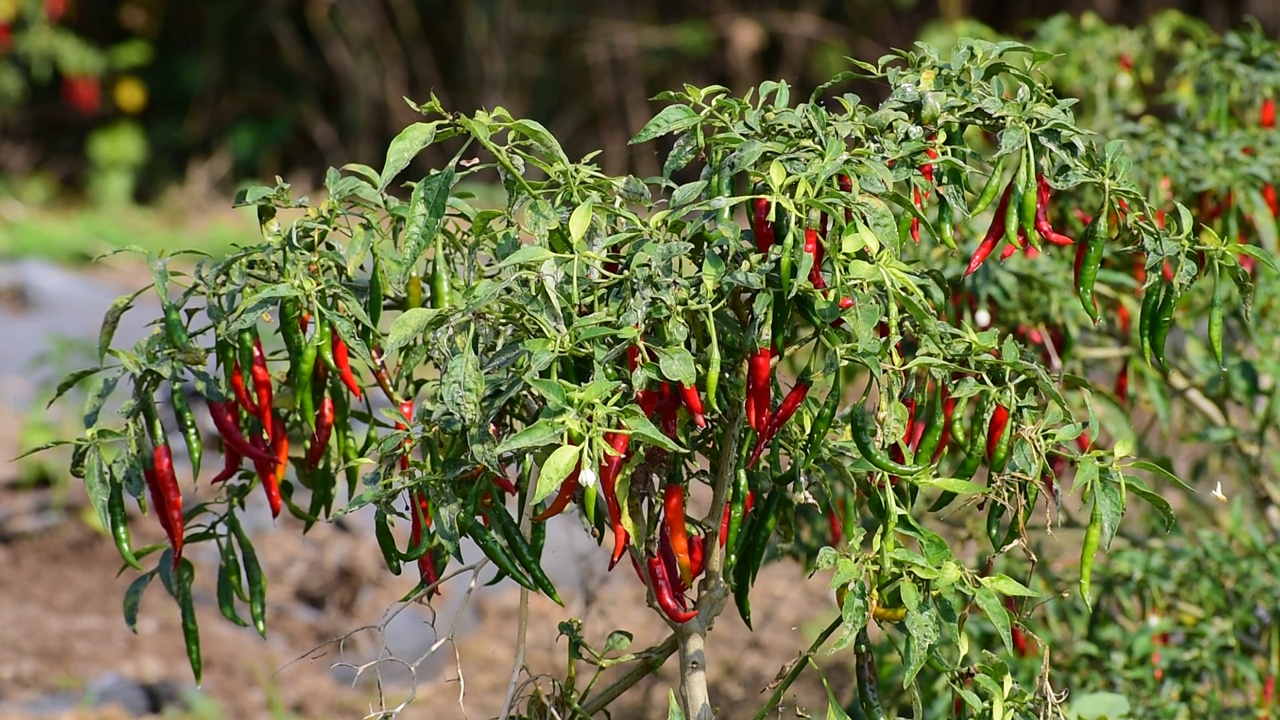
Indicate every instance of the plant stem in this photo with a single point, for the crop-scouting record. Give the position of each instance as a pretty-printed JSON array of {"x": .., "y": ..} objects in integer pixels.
[
  {"x": 650, "y": 660},
  {"x": 797, "y": 667}
]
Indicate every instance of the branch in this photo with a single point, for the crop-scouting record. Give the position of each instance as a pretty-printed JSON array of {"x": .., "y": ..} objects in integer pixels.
[
  {"x": 797, "y": 667},
  {"x": 526, "y": 519},
  {"x": 650, "y": 661}
]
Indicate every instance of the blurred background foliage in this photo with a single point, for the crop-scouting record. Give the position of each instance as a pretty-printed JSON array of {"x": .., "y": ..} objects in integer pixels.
[{"x": 115, "y": 100}]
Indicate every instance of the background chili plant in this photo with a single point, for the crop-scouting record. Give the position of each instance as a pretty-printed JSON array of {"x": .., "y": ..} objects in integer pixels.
[{"x": 616, "y": 343}]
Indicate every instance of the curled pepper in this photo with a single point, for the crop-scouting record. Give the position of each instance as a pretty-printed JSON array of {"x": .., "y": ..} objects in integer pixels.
[
  {"x": 994, "y": 233},
  {"x": 664, "y": 595},
  {"x": 609, "y": 469}
]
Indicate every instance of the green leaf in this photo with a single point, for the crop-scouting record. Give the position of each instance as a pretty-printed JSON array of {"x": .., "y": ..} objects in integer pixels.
[
  {"x": 97, "y": 484},
  {"x": 579, "y": 221},
  {"x": 111, "y": 320},
  {"x": 427, "y": 205},
  {"x": 1154, "y": 499},
  {"x": 403, "y": 149},
  {"x": 542, "y": 138},
  {"x": 527, "y": 255},
  {"x": 410, "y": 325},
  {"x": 1160, "y": 472},
  {"x": 641, "y": 428},
  {"x": 955, "y": 485},
  {"x": 672, "y": 118},
  {"x": 70, "y": 382},
  {"x": 617, "y": 641},
  {"x": 673, "y": 708},
  {"x": 555, "y": 469},
  {"x": 541, "y": 433},
  {"x": 996, "y": 613},
  {"x": 133, "y": 599},
  {"x": 462, "y": 387},
  {"x": 1099, "y": 706},
  {"x": 1006, "y": 585},
  {"x": 1107, "y": 494},
  {"x": 677, "y": 365}
]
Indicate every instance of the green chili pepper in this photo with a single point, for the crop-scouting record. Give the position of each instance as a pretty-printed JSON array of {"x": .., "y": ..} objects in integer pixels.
[
  {"x": 510, "y": 533},
  {"x": 1216, "y": 319},
  {"x": 227, "y": 593},
  {"x": 413, "y": 290},
  {"x": 868, "y": 679},
  {"x": 994, "y": 515},
  {"x": 713, "y": 360},
  {"x": 1089, "y": 548},
  {"x": 1094, "y": 240},
  {"x": 737, "y": 515},
  {"x": 1012, "y": 217},
  {"x": 304, "y": 383},
  {"x": 190, "y": 630},
  {"x": 386, "y": 541},
  {"x": 823, "y": 421},
  {"x": 323, "y": 341},
  {"x": 174, "y": 328},
  {"x": 1030, "y": 193},
  {"x": 990, "y": 189},
  {"x": 788, "y": 250},
  {"x": 190, "y": 430},
  {"x": 376, "y": 293},
  {"x": 946, "y": 222},
  {"x": 1163, "y": 322},
  {"x": 958, "y": 433},
  {"x": 245, "y": 341},
  {"x": 1147, "y": 317},
  {"x": 933, "y": 431},
  {"x": 904, "y": 228},
  {"x": 759, "y": 532},
  {"x": 494, "y": 550},
  {"x": 440, "y": 286},
  {"x": 863, "y": 438},
  {"x": 257, "y": 579},
  {"x": 120, "y": 524}
]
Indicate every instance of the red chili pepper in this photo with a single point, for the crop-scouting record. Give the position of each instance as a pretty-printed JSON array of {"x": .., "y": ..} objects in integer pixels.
[
  {"x": 563, "y": 496},
  {"x": 1268, "y": 113},
  {"x": 1268, "y": 692},
  {"x": 224, "y": 419},
  {"x": 759, "y": 389},
  {"x": 231, "y": 464},
  {"x": 994, "y": 233},
  {"x": 262, "y": 386},
  {"x": 663, "y": 594},
  {"x": 266, "y": 470},
  {"x": 693, "y": 402},
  {"x": 324, "y": 428},
  {"x": 915, "y": 219},
  {"x": 1122, "y": 383},
  {"x": 677, "y": 532},
  {"x": 696, "y": 555},
  {"x": 304, "y": 321},
  {"x": 995, "y": 430},
  {"x": 789, "y": 405},
  {"x": 342, "y": 359},
  {"x": 166, "y": 495},
  {"x": 406, "y": 409},
  {"x": 241, "y": 392},
  {"x": 417, "y": 526},
  {"x": 761, "y": 226},
  {"x": 948, "y": 409},
  {"x": 1269, "y": 194},
  {"x": 834, "y": 526},
  {"x": 846, "y": 185},
  {"x": 609, "y": 470},
  {"x": 672, "y": 569},
  {"x": 1043, "y": 227},
  {"x": 927, "y": 169},
  {"x": 1020, "y": 644}
]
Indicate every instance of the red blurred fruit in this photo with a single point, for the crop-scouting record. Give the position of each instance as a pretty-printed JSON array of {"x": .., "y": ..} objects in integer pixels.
[{"x": 83, "y": 93}]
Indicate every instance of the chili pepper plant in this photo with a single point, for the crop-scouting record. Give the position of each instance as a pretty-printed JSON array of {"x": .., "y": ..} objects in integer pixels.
[{"x": 782, "y": 345}]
